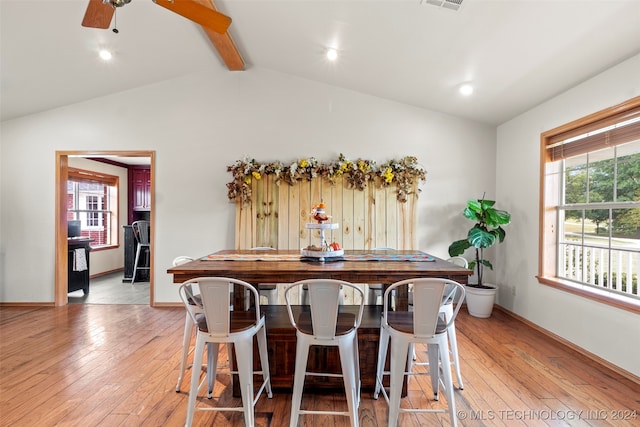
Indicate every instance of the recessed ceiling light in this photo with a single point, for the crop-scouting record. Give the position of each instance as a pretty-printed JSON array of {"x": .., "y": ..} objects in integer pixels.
[
  {"x": 332, "y": 54},
  {"x": 466, "y": 89},
  {"x": 105, "y": 54}
]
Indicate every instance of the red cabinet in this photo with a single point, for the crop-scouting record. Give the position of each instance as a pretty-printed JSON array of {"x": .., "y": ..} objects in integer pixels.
[{"x": 141, "y": 189}]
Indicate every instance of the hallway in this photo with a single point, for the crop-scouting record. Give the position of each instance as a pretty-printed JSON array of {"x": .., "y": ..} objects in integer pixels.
[{"x": 110, "y": 289}]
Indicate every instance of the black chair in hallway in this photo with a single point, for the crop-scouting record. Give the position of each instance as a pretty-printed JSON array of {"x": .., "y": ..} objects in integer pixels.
[{"x": 141, "y": 232}]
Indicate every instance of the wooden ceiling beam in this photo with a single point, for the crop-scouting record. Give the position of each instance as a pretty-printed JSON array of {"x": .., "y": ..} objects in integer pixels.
[{"x": 224, "y": 43}]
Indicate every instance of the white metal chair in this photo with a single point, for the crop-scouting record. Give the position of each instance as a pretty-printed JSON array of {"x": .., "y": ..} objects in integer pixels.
[
  {"x": 218, "y": 324},
  {"x": 323, "y": 323},
  {"x": 269, "y": 291},
  {"x": 141, "y": 233},
  {"x": 458, "y": 260},
  {"x": 446, "y": 310},
  {"x": 193, "y": 309},
  {"x": 304, "y": 296},
  {"x": 375, "y": 289},
  {"x": 422, "y": 325}
]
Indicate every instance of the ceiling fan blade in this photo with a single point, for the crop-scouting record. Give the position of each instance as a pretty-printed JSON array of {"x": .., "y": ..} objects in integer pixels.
[
  {"x": 98, "y": 14},
  {"x": 197, "y": 13}
]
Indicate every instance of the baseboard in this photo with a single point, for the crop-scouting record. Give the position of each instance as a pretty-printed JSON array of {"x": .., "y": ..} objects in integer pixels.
[
  {"x": 27, "y": 304},
  {"x": 104, "y": 273},
  {"x": 582, "y": 351},
  {"x": 167, "y": 304}
]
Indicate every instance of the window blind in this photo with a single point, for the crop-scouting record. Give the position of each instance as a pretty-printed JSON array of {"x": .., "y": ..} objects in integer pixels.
[{"x": 614, "y": 130}]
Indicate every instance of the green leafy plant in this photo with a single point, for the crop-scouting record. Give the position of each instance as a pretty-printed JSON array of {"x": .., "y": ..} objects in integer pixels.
[{"x": 486, "y": 232}]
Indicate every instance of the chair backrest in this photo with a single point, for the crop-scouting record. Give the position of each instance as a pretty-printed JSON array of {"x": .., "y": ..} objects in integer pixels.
[
  {"x": 141, "y": 231},
  {"x": 462, "y": 262},
  {"x": 450, "y": 294},
  {"x": 458, "y": 260},
  {"x": 182, "y": 259},
  {"x": 179, "y": 260},
  {"x": 324, "y": 302},
  {"x": 215, "y": 301},
  {"x": 428, "y": 295}
]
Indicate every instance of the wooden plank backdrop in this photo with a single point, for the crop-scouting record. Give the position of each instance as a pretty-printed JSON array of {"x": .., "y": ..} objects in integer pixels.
[{"x": 373, "y": 218}]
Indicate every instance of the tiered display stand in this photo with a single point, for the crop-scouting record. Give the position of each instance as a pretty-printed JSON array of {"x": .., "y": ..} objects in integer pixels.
[{"x": 325, "y": 254}]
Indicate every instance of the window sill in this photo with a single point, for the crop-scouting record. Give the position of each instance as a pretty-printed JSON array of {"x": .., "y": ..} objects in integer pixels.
[
  {"x": 618, "y": 301},
  {"x": 104, "y": 248}
]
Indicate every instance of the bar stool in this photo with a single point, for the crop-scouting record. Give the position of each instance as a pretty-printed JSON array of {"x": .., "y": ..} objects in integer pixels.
[
  {"x": 193, "y": 310},
  {"x": 446, "y": 310},
  {"x": 218, "y": 324},
  {"x": 375, "y": 289},
  {"x": 141, "y": 234},
  {"x": 324, "y": 324},
  {"x": 270, "y": 292},
  {"x": 422, "y": 325}
]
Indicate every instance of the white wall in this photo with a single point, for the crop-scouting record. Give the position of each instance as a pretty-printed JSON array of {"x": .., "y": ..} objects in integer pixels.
[
  {"x": 608, "y": 332},
  {"x": 109, "y": 259},
  {"x": 200, "y": 124}
]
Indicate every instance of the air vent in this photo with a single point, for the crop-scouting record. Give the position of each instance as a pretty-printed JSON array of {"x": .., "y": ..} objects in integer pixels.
[{"x": 446, "y": 4}]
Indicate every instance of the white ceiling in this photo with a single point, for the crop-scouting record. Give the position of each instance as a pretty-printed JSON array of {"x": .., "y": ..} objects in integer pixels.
[{"x": 517, "y": 53}]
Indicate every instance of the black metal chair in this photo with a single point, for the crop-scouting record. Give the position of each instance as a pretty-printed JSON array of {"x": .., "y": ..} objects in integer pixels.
[{"x": 141, "y": 232}]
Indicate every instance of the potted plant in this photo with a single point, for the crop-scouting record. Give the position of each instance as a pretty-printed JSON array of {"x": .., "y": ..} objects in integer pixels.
[{"x": 486, "y": 232}]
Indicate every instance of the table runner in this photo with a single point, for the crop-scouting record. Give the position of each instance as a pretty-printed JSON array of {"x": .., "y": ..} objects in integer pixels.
[{"x": 298, "y": 257}]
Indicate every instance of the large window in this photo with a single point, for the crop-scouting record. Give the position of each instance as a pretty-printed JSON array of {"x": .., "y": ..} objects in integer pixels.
[
  {"x": 92, "y": 198},
  {"x": 590, "y": 206}
]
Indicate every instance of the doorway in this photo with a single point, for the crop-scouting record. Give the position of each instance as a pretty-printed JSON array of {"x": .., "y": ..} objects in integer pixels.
[{"x": 65, "y": 260}]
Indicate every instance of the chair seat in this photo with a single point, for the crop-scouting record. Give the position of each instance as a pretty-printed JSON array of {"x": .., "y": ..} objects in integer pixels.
[
  {"x": 195, "y": 300},
  {"x": 402, "y": 321},
  {"x": 344, "y": 325},
  {"x": 240, "y": 321}
]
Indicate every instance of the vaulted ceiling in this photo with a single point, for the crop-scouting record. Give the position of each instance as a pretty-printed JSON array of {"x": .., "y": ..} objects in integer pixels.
[{"x": 516, "y": 53}]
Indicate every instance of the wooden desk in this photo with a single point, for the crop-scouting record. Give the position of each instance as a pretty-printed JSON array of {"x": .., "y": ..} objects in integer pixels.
[
  {"x": 77, "y": 280},
  {"x": 281, "y": 335}
]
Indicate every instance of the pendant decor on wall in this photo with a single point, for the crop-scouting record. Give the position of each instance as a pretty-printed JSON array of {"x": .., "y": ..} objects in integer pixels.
[{"x": 375, "y": 205}]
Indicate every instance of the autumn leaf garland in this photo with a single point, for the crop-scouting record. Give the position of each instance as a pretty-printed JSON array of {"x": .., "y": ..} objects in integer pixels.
[{"x": 402, "y": 173}]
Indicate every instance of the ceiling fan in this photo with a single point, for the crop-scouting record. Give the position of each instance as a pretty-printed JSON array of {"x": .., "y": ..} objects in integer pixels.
[{"x": 100, "y": 12}]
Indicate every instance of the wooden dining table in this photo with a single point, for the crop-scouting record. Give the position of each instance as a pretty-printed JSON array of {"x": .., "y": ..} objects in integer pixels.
[{"x": 288, "y": 266}]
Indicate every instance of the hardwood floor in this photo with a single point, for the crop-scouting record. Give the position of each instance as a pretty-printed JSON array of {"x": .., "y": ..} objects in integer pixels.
[{"x": 116, "y": 365}]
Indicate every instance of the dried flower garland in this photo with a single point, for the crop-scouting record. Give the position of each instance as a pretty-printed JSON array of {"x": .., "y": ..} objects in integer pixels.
[{"x": 402, "y": 173}]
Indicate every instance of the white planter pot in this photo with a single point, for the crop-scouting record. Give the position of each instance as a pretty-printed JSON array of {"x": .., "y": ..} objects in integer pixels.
[{"x": 480, "y": 301}]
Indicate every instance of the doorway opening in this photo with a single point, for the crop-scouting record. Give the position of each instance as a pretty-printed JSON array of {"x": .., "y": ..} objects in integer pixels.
[{"x": 106, "y": 263}]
